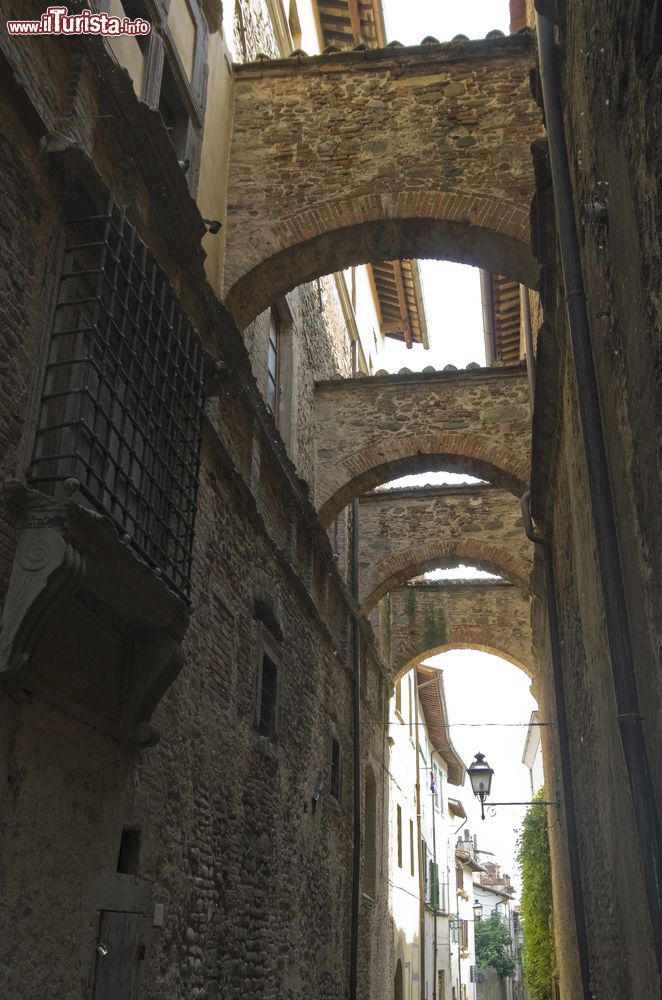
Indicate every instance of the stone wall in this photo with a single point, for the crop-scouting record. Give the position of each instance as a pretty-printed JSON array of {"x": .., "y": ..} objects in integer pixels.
[
  {"x": 255, "y": 877},
  {"x": 611, "y": 80},
  {"x": 431, "y": 617},
  {"x": 405, "y": 532},
  {"x": 329, "y": 167},
  {"x": 372, "y": 430}
]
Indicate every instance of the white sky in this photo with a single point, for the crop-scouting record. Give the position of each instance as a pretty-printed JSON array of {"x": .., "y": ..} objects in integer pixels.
[{"x": 479, "y": 687}]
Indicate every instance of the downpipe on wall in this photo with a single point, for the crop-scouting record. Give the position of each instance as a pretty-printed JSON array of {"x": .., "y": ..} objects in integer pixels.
[
  {"x": 356, "y": 732},
  {"x": 629, "y": 719},
  {"x": 564, "y": 748}
]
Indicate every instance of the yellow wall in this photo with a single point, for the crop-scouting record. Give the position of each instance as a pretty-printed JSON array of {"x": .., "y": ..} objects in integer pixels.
[
  {"x": 214, "y": 161},
  {"x": 127, "y": 51},
  {"x": 182, "y": 29}
]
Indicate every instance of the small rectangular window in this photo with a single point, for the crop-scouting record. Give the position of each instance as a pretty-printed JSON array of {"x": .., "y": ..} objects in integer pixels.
[
  {"x": 398, "y": 698},
  {"x": 129, "y": 855},
  {"x": 459, "y": 876},
  {"x": 335, "y": 768},
  {"x": 399, "y": 822},
  {"x": 268, "y": 697},
  {"x": 412, "y": 863}
]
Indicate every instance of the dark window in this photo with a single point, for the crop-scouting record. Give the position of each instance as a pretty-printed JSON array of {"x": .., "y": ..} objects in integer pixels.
[
  {"x": 129, "y": 856},
  {"x": 411, "y": 847},
  {"x": 459, "y": 876},
  {"x": 335, "y": 769},
  {"x": 123, "y": 394},
  {"x": 268, "y": 697},
  {"x": 399, "y": 822},
  {"x": 174, "y": 115},
  {"x": 166, "y": 85},
  {"x": 464, "y": 934},
  {"x": 273, "y": 364}
]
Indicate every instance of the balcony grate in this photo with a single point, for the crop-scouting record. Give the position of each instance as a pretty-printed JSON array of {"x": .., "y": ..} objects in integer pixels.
[{"x": 121, "y": 407}]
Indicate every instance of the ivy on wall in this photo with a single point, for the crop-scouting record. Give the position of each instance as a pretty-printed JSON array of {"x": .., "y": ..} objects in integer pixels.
[{"x": 533, "y": 857}]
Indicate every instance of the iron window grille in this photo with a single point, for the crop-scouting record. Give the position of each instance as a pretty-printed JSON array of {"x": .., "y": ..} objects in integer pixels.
[{"x": 123, "y": 394}]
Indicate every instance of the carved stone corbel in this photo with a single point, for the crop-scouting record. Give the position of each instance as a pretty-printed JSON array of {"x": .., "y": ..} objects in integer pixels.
[
  {"x": 47, "y": 572},
  {"x": 87, "y": 624}
]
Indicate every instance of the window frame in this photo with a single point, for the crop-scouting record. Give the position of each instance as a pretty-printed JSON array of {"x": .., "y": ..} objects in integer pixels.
[
  {"x": 398, "y": 822},
  {"x": 161, "y": 49},
  {"x": 268, "y": 648},
  {"x": 335, "y": 787}
]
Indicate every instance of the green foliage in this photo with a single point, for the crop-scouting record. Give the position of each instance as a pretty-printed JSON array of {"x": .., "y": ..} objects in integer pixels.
[
  {"x": 534, "y": 861},
  {"x": 492, "y": 941},
  {"x": 434, "y": 632}
]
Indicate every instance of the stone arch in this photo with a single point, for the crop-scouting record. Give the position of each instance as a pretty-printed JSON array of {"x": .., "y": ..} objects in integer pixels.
[
  {"x": 395, "y": 570},
  {"x": 308, "y": 195},
  {"x": 426, "y": 618},
  {"x": 398, "y": 982},
  {"x": 481, "y": 640},
  {"x": 311, "y": 250},
  {"x": 473, "y": 454}
]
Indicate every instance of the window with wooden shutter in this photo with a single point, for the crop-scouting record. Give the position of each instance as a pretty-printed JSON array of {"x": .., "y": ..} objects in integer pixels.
[
  {"x": 273, "y": 364},
  {"x": 434, "y": 884}
]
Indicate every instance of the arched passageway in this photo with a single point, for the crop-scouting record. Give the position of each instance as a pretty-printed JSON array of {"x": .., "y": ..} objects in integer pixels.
[
  {"x": 398, "y": 982},
  {"x": 405, "y": 532},
  {"x": 389, "y": 573},
  {"x": 310, "y": 194},
  {"x": 368, "y": 431},
  {"x": 431, "y": 617}
]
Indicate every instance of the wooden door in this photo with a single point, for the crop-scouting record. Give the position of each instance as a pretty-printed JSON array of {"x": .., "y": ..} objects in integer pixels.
[{"x": 119, "y": 953}]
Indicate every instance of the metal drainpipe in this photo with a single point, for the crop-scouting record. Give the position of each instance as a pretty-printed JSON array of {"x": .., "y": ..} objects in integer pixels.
[
  {"x": 564, "y": 748},
  {"x": 613, "y": 592},
  {"x": 356, "y": 726},
  {"x": 419, "y": 831},
  {"x": 436, "y": 868}
]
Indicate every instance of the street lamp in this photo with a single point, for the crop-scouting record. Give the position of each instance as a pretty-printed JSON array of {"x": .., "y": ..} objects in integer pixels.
[
  {"x": 478, "y": 909},
  {"x": 480, "y": 774}
]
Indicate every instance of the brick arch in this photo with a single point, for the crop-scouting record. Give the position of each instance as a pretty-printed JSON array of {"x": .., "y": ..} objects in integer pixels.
[
  {"x": 394, "y": 457},
  {"x": 392, "y": 572},
  {"x": 328, "y": 237},
  {"x": 344, "y": 158},
  {"x": 482, "y": 640}
]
